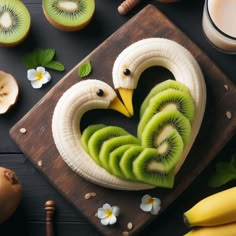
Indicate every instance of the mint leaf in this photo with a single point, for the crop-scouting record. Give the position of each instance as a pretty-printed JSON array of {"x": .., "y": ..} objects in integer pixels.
[
  {"x": 224, "y": 173},
  {"x": 55, "y": 65},
  {"x": 46, "y": 55},
  {"x": 85, "y": 69},
  {"x": 43, "y": 57}
]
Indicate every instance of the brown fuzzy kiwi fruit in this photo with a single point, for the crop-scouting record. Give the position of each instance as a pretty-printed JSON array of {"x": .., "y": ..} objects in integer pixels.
[
  {"x": 69, "y": 15},
  {"x": 10, "y": 193}
]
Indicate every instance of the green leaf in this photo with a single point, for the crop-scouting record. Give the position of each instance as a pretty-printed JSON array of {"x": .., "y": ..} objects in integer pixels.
[
  {"x": 85, "y": 69},
  {"x": 43, "y": 57},
  {"x": 55, "y": 65},
  {"x": 224, "y": 173},
  {"x": 47, "y": 55}
]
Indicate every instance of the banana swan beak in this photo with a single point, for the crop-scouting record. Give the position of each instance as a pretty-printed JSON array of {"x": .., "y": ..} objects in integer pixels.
[
  {"x": 126, "y": 96},
  {"x": 117, "y": 105}
]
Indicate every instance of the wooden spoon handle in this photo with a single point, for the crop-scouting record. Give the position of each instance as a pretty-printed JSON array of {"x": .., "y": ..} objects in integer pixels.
[{"x": 50, "y": 209}]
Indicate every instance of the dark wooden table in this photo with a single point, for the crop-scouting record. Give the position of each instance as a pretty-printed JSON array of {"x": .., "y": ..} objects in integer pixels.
[{"x": 29, "y": 218}]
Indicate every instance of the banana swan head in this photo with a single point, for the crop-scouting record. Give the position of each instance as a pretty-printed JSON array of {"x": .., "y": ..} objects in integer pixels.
[
  {"x": 139, "y": 56},
  {"x": 78, "y": 99}
]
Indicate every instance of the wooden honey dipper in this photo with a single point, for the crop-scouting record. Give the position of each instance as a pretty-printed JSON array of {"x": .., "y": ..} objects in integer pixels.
[
  {"x": 50, "y": 207},
  {"x": 127, "y": 5}
]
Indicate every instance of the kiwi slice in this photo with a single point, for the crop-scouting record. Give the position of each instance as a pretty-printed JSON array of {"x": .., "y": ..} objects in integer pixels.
[
  {"x": 169, "y": 99},
  {"x": 100, "y": 136},
  {"x": 69, "y": 15},
  {"x": 148, "y": 169},
  {"x": 162, "y": 125},
  {"x": 111, "y": 144},
  {"x": 14, "y": 22},
  {"x": 127, "y": 159},
  {"x": 173, "y": 84},
  {"x": 88, "y": 132},
  {"x": 170, "y": 150},
  {"x": 114, "y": 160}
]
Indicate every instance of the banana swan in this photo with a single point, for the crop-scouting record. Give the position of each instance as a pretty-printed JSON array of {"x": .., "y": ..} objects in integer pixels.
[
  {"x": 95, "y": 94},
  {"x": 166, "y": 53}
]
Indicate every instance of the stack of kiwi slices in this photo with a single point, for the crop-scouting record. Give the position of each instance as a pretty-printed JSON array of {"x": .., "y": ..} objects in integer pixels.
[
  {"x": 166, "y": 117},
  {"x": 69, "y": 15},
  {"x": 14, "y": 22}
]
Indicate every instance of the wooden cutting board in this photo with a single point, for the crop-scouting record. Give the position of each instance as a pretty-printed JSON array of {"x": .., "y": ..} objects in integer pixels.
[{"x": 216, "y": 130}]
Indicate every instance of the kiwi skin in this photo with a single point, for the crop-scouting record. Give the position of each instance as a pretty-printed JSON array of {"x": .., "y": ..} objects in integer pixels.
[{"x": 63, "y": 27}]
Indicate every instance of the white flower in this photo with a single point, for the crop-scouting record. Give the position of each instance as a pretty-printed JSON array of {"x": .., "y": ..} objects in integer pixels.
[
  {"x": 108, "y": 214},
  {"x": 38, "y": 77},
  {"x": 150, "y": 204}
]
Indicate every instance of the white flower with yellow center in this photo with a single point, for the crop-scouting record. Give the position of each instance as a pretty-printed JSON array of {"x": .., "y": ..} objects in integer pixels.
[
  {"x": 150, "y": 204},
  {"x": 38, "y": 77},
  {"x": 108, "y": 214}
]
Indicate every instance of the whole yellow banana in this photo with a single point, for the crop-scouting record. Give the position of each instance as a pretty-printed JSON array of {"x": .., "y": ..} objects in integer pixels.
[
  {"x": 220, "y": 230},
  {"x": 217, "y": 209}
]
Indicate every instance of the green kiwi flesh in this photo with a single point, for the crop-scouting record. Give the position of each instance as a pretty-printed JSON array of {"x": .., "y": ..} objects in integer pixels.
[
  {"x": 126, "y": 162},
  {"x": 88, "y": 132},
  {"x": 111, "y": 144},
  {"x": 100, "y": 136},
  {"x": 148, "y": 169},
  {"x": 114, "y": 160},
  {"x": 167, "y": 84},
  {"x": 169, "y": 99},
  {"x": 69, "y": 15},
  {"x": 14, "y": 22},
  {"x": 162, "y": 124}
]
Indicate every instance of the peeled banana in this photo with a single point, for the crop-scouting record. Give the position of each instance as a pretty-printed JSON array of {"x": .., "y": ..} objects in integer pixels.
[
  {"x": 217, "y": 209},
  {"x": 133, "y": 60},
  {"x": 127, "y": 69},
  {"x": 220, "y": 230}
]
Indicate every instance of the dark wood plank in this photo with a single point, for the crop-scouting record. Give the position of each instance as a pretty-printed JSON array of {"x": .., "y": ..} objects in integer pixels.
[{"x": 73, "y": 187}]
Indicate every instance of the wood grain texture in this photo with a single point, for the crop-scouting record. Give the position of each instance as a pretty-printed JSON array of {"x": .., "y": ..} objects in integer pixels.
[{"x": 215, "y": 132}]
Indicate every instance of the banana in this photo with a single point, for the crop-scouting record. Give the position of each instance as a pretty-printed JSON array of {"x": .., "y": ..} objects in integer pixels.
[
  {"x": 78, "y": 99},
  {"x": 9, "y": 91},
  {"x": 127, "y": 69},
  {"x": 133, "y": 60},
  {"x": 217, "y": 209},
  {"x": 220, "y": 230}
]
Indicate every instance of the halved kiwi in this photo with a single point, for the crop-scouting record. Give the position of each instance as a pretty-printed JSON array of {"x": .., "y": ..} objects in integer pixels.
[
  {"x": 148, "y": 169},
  {"x": 167, "y": 84},
  {"x": 88, "y": 132},
  {"x": 100, "y": 136},
  {"x": 14, "y": 22},
  {"x": 169, "y": 99},
  {"x": 111, "y": 144},
  {"x": 69, "y": 15},
  {"x": 162, "y": 124}
]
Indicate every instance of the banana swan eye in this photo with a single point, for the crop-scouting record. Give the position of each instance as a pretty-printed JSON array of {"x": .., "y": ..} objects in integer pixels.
[
  {"x": 126, "y": 72},
  {"x": 100, "y": 92}
]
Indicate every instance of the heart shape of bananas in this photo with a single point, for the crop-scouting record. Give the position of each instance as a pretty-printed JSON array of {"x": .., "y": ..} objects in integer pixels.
[{"x": 170, "y": 119}]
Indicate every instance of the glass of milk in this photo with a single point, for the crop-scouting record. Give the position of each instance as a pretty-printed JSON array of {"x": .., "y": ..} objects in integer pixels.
[{"x": 219, "y": 24}]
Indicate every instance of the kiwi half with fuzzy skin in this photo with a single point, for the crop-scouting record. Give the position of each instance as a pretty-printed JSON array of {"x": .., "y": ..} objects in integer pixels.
[
  {"x": 111, "y": 144},
  {"x": 88, "y": 132},
  {"x": 69, "y": 15},
  {"x": 148, "y": 169},
  {"x": 100, "y": 136},
  {"x": 169, "y": 99},
  {"x": 167, "y": 84},
  {"x": 14, "y": 22}
]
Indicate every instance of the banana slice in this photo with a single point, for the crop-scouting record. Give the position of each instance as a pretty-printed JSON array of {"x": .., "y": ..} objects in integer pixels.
[{"x": 8, "y": 91}]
